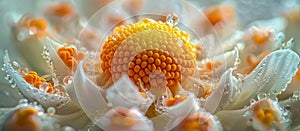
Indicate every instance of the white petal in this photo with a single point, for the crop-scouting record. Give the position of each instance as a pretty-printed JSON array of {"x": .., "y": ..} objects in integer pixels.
[
  {"x": 174, "y": 115},
  {"x": 60, "y": 68},
  {"x": 228, "y": 59},
  {"x": 30, "y": 49},
  {"x": 88, "y": 95},
  {"x": 62, "y": 104},
  {"x": 124, "y": 93},
  {"x": 139, "y": 121},
  {"x": 272, "y": 75},
  {"x": 223, "y": 94},
  {"x": 233, "y": 119}
]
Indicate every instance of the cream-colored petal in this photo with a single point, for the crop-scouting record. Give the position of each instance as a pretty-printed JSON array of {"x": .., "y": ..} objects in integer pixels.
[
  {"x": 233, "y": 120},
  {"x": 30, "y": 49},
  {"x": 223, "y": 94},
  {"x": 62, "y": 104},
  {"x": 247, "y": 118},
  {"x": 206, "y": 121},
  {"x": 272, "y": 75},
  {"x": 88, "y": 95},
  {"x": 174, "y": 114},
  {"x": 124, "y": 93},
  {"x": 124, "y": 119}
]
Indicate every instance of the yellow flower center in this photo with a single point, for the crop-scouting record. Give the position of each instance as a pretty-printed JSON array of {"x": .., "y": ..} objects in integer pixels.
[
  {"x": 150, "y": 51},
  {"x": 39, "y": 24},
  {"x": 264, "y": 115},
  {"x": 195, "y": 122},
  {"x": 33, "y": 79}
]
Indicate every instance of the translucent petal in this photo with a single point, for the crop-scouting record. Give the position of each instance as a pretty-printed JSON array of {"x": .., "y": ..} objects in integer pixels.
[
  {"x": 206, "y": 121},
  {"x": 228, "y": 59},
  {"x": 230, "y": 123},
  {"x": 60, "y": 68},
  {"x": 123, "y": 119},
  {"x": 88, "y": 95},
  {"x": 272, "y": 75},
  {"x": 223, "y": 94},
  {"x": 30, "y": 49},
  {"x": 174, "y": 115},
  {"x": 62, "y": 104},
  {"x": 124, "y": 93}
]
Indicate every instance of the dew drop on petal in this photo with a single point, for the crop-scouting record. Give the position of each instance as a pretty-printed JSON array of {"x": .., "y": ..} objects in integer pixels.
[
  {"x": 3, "y": 67},
  {"x": 68, "y": 128},
  {"x": 7, "y": 77},
  {"x": 261, "y": 96},
  {"x": 15, "y": 65},
  {"x": 24, "y": 71},
  {"x": 44, "y": 86},
  {"x": 23, "y": 102},
  {"x": 68, "y": 80},
  {"x": 13, "y": 85},
  {"x": 172, "y": 19},
  {"x": 296, "y": 95},
  {"x": 51, "y": 111},
  {"x": 252, "y": 101},
  {"x": 280, "y": 37}
]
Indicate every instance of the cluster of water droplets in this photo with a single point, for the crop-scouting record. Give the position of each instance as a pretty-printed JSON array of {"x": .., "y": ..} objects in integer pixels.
[{"x": 160, "y": 106}]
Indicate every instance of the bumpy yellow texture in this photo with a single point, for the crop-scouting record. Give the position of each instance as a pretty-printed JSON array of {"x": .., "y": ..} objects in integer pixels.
[{"x": 149, "y": 52}]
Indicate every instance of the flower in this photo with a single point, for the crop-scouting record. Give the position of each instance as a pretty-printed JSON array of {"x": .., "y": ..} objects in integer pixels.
[{"x": 142, "y": 65}]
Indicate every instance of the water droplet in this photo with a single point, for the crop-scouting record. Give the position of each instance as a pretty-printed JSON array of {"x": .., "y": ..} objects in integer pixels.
[
  {"x": 51, "y": 111},
  {"x": 68, "y": 80},
  {"x": 252, "y": 101},
  {"x": 280, "y": 37},
  {"x": 261, "y": 96},
  {"x": 172, "y": 19},
  {"x": 7, "y": 77},
  {"x": 15, "y": 65},
  {"x": 44, "y": 86},
  {"x": 55, "y": 81},
  {"x": 24, "y": 71},
  {"x": 3, "y": 67},
  {"x": 287, "y": 108},
  {"x": 68, "y": 128},
  {"x": 13, "y": 85},
  {"x": 296, "y": 95},
  {"x": 23, "y": 102}
]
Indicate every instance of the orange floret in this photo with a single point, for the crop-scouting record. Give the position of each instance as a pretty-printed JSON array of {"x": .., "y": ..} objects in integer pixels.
[
  {"x": 33, "y": 79},
  {"x": 70, "y": 56}
]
